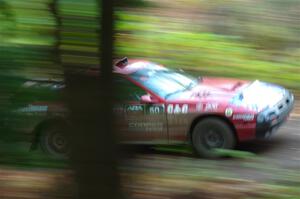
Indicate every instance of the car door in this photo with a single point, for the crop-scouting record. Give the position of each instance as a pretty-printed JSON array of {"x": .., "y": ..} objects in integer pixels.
[{"x": 137, "y": 121}]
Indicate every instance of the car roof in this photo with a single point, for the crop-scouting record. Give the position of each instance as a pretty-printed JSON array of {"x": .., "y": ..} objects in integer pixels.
[{"x": 127, "y": 67}]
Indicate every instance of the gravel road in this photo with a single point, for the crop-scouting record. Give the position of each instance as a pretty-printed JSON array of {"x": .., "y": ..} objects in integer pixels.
[{"x": 152, "y": 173}]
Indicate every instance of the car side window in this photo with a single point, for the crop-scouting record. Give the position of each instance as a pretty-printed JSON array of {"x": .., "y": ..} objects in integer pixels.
[{"x": 126, "y": 90}]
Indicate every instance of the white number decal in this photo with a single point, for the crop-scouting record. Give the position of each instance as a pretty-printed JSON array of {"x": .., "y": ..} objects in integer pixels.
[
  {"x": 185, "y": 108},
  {"x": 170, "y": 108},
  {"x": 177, "y": 109},
  {"x": 154, "y": 110}
]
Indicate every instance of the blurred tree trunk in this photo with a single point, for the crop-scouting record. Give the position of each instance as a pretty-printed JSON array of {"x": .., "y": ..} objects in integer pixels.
[
  {"x": 54, "y": 9},
  {"x": 89, "y": 98}
]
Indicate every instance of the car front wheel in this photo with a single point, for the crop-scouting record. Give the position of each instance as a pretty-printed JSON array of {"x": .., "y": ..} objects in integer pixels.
[{"x": 210, "y": 134}]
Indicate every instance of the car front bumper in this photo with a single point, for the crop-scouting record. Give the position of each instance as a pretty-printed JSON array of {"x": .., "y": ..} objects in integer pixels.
[{"x": 272, "y": 118}]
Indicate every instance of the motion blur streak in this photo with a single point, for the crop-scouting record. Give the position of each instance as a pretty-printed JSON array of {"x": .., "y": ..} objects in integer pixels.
[
  {"x": 250, "y": 39},
  {"x": 258, "y": 39}
]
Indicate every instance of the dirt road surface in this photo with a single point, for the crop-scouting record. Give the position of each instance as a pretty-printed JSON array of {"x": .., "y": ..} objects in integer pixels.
[{"x": 272, "y": 170}]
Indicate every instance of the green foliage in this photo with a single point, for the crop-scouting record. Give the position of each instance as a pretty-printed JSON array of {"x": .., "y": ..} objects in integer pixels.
[
  {"x": 174, "y": 149},
  {"x": 17, "y": 154},
  {"x": 227, "y": 38},
  {"x": 149, "y": 37},
  {"x": 234, "y": 153},
  {"x": 7, "y": 18},
  {"x": 133, "y": 3}
]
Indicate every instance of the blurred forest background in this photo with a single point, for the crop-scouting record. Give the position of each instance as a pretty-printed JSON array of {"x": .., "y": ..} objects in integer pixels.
[
  {"x": 248, "y": 39},
  {"x": 245, "y": 39}
]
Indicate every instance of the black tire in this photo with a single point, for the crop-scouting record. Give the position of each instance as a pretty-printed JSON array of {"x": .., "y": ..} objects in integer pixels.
[
  {"x": 53, "y": 141},
  {"x": 210, "y": 134}
]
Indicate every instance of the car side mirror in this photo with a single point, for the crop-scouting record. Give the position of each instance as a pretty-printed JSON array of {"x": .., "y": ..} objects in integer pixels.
[{"x": 148, "y": 99}]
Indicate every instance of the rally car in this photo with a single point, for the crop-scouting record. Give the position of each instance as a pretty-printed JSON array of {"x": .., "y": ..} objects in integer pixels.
[{"x": 157, "y": 105}]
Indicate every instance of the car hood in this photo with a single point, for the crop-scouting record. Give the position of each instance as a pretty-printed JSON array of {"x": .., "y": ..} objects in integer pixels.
[
  {"x": 260, "y": 95},
  {"x": 254, "y": 95},
  {"x": 211, "y": 88}
]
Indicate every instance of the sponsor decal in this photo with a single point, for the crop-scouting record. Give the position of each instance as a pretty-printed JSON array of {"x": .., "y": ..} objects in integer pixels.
[
  {"x": 156, "y": 109},
  {"x": 201, "y": 94},
  {"x": 245, "y": 117},
  {"x": 145, "y": 126},
  {"x": 134, "y": 108},
  {"x": 33, "y": 108},
  {"x": 177, "y": 109},
  {"x": 199, "y": 107},
  {"x": 228, "y": 112},
  {"x": 208, "y": 107},
  {"x": 211, "y": 107},
  {"x": 245, "y": 126},
  {"x": 175, "y": 120}
]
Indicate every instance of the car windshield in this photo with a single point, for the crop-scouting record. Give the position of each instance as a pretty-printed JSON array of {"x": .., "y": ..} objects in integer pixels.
[{"x": 164, "y": 82}]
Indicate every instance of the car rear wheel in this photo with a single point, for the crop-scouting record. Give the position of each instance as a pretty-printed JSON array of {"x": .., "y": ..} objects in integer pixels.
[
  {"x": 53, "y": 140},
  {"x": 210, "y": 134}
]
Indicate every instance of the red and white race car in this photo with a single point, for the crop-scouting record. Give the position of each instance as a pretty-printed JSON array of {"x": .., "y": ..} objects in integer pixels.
[
  {"x": 168, "y": 107},
  {"x": 156, "y": 105}
]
